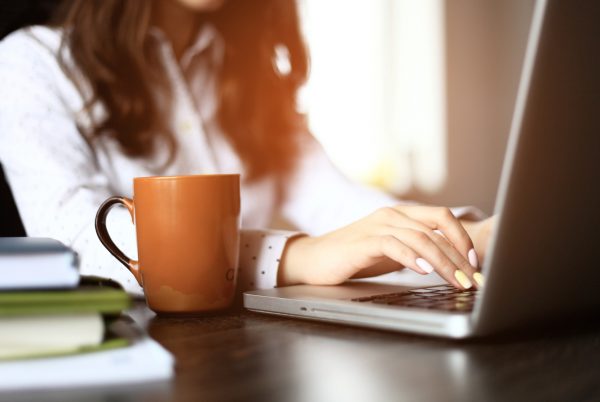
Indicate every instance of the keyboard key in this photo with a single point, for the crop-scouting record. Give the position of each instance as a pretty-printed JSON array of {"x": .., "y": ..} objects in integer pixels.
[{"x": 363, "y": 299}]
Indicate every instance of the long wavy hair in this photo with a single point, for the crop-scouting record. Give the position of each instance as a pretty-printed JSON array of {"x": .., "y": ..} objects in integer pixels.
[{"x": 257, "y": 111}]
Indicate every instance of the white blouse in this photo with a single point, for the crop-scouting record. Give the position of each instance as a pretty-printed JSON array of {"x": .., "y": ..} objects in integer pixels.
[{"x": 59, "y": 181}]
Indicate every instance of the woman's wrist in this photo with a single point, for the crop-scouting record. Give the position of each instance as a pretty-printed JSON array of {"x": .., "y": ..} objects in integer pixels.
[{"x": 293, "y": 261}]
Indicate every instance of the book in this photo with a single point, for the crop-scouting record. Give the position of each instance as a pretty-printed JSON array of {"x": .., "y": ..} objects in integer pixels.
[
  {"x": 84, "y": 299},
  {"x": 35, "y": 323},
  {"x": 56, "y": 334},
  {"x": 33, "y": 263},
  {"x": 44, "y": 335},
  {"x": 127, "y": 355}
]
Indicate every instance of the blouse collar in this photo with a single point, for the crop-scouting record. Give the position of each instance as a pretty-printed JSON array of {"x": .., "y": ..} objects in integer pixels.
[{"x": 207, "y": 40}]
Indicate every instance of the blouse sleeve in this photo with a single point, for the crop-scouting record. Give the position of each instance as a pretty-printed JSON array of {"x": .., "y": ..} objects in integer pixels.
[
  {"x": 50, "y": 167},
  {"x": 322, "y": 199},
  {"x": 260, "y": 254}
]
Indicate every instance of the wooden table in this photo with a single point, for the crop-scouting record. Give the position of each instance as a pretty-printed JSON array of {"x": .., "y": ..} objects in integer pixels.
[{"x": 239, "y": 355}]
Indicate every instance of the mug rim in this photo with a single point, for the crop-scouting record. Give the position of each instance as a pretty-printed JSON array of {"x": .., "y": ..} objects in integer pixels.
[{"x": 186, "y": 177}]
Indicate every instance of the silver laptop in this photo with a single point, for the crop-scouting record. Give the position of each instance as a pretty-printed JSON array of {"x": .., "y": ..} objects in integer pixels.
[{"x": 544, "y": 259}]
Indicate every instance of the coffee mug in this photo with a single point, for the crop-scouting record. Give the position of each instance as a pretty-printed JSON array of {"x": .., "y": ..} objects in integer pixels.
[{"x": 187, "y": 230}]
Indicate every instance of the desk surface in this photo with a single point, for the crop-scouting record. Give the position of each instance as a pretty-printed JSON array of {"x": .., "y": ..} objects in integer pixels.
[{"x": 241, "y": 355}]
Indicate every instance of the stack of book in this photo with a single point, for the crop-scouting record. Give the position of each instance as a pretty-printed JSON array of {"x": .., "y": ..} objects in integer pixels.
[{"x": 56, "y": 330}]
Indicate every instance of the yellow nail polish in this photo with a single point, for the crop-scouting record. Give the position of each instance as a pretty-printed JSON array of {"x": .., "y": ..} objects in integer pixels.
[
  {"x": 462, "y": 279},
  {"x": 479, "y": 278}
]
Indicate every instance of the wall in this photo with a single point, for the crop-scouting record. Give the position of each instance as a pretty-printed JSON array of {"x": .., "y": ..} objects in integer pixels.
[{"x": 485, "y": 45}]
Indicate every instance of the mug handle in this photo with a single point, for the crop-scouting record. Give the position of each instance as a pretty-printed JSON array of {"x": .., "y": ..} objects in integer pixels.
[{"x": 102, "y": 232}]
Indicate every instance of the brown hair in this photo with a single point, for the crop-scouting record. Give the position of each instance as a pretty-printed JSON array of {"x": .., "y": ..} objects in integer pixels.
[{"x": 257, "y": 111}]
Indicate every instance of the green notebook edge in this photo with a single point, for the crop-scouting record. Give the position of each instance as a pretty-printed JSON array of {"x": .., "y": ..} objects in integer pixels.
[{"x": 78, "y": 300}]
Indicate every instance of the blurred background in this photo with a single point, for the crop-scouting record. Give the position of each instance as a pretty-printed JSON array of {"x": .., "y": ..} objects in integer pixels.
[{"x": 422, "y": 90}]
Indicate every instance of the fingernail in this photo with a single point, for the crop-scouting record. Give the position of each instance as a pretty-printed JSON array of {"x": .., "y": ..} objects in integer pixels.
[
  {"x": 479, "y": 278},
  {"x": 424, "y": 265},
  {"x": 473, "y": 260},
  {"x": 462, "y": 279}
]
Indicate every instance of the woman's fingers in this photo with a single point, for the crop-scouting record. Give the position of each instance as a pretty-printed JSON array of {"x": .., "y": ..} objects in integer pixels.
[
  {"x": 442, "y": 242},
  {"x": 391, "y": 247},
  {"x": 434, "y": 256},
  {"x": 466, "y": 274},
  {"x": 442, "y": 219},
  {"x": 424, "y": 253}
]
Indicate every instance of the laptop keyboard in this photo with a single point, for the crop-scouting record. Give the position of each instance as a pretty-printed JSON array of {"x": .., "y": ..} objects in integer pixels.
[{"x": 443, "y": 297}]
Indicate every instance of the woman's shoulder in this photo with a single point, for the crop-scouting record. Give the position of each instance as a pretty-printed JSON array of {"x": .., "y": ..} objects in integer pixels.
[
  {"x": 31, "y": 53},
  {"x": 30, "y": 43},
  {"x": 29, "y": 64}
]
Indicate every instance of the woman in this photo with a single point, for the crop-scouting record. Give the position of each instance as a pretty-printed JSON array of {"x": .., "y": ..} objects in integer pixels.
[{"x": 115, "y": 89}]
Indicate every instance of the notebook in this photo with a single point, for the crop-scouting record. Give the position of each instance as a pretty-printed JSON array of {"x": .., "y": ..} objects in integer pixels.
[
  {"x": 143, "y": 361},
  {"x": 29, "y": 263},
  {"x": 542, "y": 262},
  {"x": 38, "y": 335},
  {"x": 126, "y": 355},
  {"x": 85, "y": 299},
  {"x": 35, "y": 323}
]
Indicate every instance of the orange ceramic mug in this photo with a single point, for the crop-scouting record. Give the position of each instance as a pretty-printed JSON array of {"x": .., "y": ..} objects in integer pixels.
[{"x": 187, "y": 231}]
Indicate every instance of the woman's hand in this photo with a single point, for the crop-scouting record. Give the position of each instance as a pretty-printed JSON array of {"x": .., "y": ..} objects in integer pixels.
[{"x": 420, "y": 238}]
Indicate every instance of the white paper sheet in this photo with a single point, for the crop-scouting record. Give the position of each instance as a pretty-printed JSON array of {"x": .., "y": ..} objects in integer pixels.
[{"x": 143, "y": 361}]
